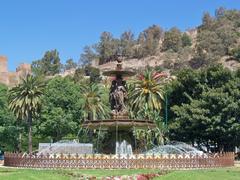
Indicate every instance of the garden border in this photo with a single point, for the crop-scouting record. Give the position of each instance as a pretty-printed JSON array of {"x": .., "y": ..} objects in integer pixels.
[{"x": 103, "y": 161}]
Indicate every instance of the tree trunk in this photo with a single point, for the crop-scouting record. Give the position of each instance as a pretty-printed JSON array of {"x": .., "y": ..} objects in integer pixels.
[
  {"x": 30, "y": 133},
  {"x": 19, "y": 145},
  {"x": 20, "y": 142}
]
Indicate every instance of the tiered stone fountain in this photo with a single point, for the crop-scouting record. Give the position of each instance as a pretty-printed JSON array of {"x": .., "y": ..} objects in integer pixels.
[{"x": 120, "y": 126}]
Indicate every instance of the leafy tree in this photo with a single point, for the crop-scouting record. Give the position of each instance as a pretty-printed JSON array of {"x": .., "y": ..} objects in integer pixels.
[
  {"x": 207, "y": 114},
  {"x": 56, "y": 123},
  {"x": 139, "y": 50},
  {"x": 49, "y": 65},
  {"x": 94, "y": 74},
  {"x": 8, "y": 129},
  {"x": 79, "y": 74},
  {"x": 107, "y": 48},
  {"x": 93, "y": 102},
  {"x": 61, "y": 112},
  {"x": 217, "y": 35},
  {"x": 186, "y": 40},
  {"x": 25, "y": 102},
  {"x": 149, "y": 41},
  {"x": 126, "y": 44},
  {"x": 70, "y": 64},
  {"x": 172, "y": 40},
  {"x": 89, "y": 55},
  {"x": 209, "y": 46},
  {"x": 212, "y": 120},
  {"x": 207, "y": 21},
  {"x": 152, "y": 36},
  {"x": 236, "y": 53}
]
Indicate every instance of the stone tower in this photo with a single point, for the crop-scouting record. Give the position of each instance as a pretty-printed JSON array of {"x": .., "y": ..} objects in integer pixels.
[
  {"x": 3, "y": 70},
  {"x": 12, "y": 78}
]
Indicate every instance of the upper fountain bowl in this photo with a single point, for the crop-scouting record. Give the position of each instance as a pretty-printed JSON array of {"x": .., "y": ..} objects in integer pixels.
[{"x": 121, "y": 72}]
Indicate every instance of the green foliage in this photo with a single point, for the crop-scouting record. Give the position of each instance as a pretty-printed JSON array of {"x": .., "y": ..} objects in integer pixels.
[
  {"x": 8, "y": 128},
  {"x": 207, "y": 113},
  {"x": 152, "y": 36},
  {"x": 94, "y": 74},
  {"x": 207, "y": 21},
  {"x": 70, "y": 64},
  {"x": 236, "y": 53},
  {"x": 186, "y": 40},
  {"x": 79, "y": 74},
  {"x": 107, "y": 48},
  {"x": 148, "y": 138},
  {"x": 61, "y": 109},
  {"x": 49, "y": 65},
  {"x": 89, "y": 55},
  {"x": 93, "y": 102},
  {"x": 25, "y": 101},
  {"x": 146, "y": 91},
  {"x": 126, "y": 44},
  {"x": 172, "y": 40},
  {"x": 217, "y": 34},
  {"x": 148, "y": 41},
  {"x": 56, "y": 123},
  {"x": 216, "y": 37}
]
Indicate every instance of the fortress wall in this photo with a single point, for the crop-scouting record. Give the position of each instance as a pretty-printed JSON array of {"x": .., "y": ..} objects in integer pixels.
[
  {"x": 12, "y": 78},
  {"x": 3, "y": 70},
  {"x": 23, "y": 69},
  {"x": 3, "y": 64}
]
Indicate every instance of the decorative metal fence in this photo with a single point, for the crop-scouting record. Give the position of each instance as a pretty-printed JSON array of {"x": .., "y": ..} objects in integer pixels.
[{"x": 138, "y": 161}]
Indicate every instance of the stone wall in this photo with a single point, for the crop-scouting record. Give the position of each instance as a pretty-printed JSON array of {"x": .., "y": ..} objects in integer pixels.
[
  {"x": 3, "y": 70},
  {"x": 12, "y": 78}
]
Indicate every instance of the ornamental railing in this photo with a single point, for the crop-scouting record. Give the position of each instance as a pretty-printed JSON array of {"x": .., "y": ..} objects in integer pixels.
[{"x": 138, "y": 161}]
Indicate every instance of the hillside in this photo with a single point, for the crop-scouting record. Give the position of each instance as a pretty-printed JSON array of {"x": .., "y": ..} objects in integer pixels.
[{"x": 216, "y": 40}]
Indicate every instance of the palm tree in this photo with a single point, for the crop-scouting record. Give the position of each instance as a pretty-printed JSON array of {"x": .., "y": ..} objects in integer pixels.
[
  {"x": 147, "y": 91},
  {"x": 94, "y": 101},
  {"x": 25, "y": 101}
]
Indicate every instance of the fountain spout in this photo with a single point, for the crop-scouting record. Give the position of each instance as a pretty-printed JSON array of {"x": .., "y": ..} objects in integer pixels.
[{"x": 123, "y": 148}]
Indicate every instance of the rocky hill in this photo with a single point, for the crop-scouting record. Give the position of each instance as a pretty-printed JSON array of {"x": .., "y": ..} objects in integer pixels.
[{"x": 216, "y": 40}]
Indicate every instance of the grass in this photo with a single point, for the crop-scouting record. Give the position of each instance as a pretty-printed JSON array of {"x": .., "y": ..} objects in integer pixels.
[
  {"x": 37, "y": 174},
  {"x": 211, "y": 174}
]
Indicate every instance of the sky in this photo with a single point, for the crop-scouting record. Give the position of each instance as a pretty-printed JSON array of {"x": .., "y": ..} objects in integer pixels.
[{"x": 28, "y": 28}]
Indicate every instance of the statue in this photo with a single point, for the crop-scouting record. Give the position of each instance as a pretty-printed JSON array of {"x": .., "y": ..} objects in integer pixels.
[{"x": 118, "y": 96}]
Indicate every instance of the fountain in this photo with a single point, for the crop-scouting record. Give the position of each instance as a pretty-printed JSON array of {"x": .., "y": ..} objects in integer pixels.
[
  {"x": 174, "y": 148},
  {"x": 65, "y": 147},
  {"x": 123, "y": 148},
  {"x": 120, "y": 125},
  {"x": 120, "y": 141}
]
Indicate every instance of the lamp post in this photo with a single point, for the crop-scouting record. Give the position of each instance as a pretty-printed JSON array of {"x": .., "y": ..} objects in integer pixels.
[{"x": 166, "y": 109}]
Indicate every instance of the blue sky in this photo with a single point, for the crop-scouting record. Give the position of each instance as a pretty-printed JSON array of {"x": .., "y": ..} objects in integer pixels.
[{"x": 28, "y": 28}]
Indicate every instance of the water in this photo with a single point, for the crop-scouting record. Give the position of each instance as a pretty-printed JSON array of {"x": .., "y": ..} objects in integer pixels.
[
  {"x": 175, "y": 148},
  {"x": 123, "y": 148},
  {"x": 65, "y": 147}
]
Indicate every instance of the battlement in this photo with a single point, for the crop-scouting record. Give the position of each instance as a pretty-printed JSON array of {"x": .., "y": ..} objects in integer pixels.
[
  {"x": 3, "y": 64},
  {"x": 12, "y": 78}
]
